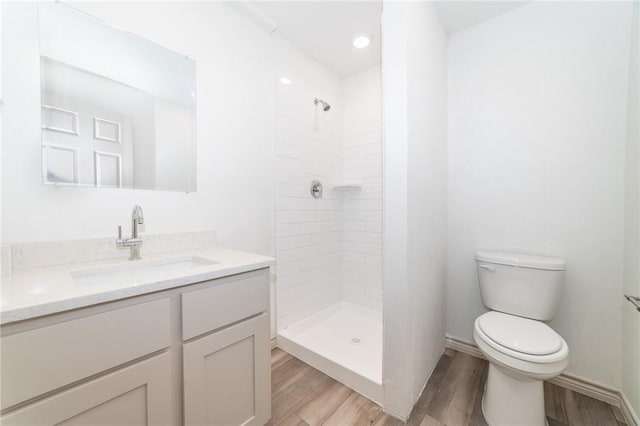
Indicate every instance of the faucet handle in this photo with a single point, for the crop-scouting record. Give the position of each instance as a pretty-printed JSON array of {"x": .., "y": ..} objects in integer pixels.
[{"x": 119, "y": 232}]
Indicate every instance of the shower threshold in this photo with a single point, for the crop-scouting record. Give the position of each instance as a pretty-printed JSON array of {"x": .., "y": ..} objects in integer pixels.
[{"x": 343, "y": 341}]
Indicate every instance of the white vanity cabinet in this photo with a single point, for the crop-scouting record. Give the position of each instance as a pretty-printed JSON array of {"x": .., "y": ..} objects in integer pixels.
[{"x": 195, "y": 355}]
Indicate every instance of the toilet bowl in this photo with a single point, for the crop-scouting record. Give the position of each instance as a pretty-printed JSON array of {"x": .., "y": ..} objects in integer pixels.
[
  {"x": 522, "y": 290},
  {"x": 522, "y": 354}
]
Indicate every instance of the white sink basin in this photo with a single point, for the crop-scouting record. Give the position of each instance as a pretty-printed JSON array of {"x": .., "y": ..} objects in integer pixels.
[{"x": 138, "y": 271}]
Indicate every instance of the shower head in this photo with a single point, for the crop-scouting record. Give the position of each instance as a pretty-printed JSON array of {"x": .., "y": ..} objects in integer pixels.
[{"x": 325, "y": 106}]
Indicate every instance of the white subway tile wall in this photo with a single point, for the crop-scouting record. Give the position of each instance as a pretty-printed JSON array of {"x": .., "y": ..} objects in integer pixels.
[
  {"x": 362, "y": 210},
  {"x": 328, "y": 249},
  {"x": 308, "y": 231}
]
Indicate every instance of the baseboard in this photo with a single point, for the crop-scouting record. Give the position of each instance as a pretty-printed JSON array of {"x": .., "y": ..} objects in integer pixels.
[
  {"x": 627, "y": 410},
  {"x": 568, "y": 381},
  {"x": 464, "y": 347},
  {"x": 402, "y": 417},
  {"x": 597, "y": 391},
  {"x": 274, "y": 342}
]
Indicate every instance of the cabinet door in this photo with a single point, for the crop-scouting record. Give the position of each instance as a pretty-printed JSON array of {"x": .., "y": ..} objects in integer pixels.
[
  {"x": 136, "y": 395},
  {"x": 227, "y": 377}
]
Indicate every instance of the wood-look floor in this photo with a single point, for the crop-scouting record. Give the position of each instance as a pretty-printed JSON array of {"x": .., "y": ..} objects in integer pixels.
[{"x": 303, "y": 396}]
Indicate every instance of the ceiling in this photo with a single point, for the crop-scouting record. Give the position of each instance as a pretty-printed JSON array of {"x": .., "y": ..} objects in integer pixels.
[
  {"x": 458, "y": 15},
  {"x": 325, "y": 29}
]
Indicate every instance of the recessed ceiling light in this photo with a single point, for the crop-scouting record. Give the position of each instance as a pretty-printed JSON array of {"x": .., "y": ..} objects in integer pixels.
[
  {"x": 285, "y": 81},
  {"x": 361, "y": 42}
]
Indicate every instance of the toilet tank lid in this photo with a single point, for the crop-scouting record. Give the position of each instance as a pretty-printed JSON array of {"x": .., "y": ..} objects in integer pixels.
[{"x": 522, "y": 260}]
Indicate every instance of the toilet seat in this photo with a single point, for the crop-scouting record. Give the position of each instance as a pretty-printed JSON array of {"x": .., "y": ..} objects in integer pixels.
[
  {"x": 519, "y": 334},
  {"x": 521, "y": 363}
]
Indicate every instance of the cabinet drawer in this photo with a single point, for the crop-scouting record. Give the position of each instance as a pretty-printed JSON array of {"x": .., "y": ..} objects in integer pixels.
[
  {"x": 47, "y": 358},
  {"x": 136, "y": 395},
  {"x": 227, "y": 301}
]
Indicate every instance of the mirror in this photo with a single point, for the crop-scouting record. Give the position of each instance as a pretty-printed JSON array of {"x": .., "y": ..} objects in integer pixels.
[{"x": 117, "y": 111}]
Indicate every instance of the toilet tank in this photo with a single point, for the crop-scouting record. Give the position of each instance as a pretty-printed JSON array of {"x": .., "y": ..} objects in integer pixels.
[{"x": 520, "y": 284}]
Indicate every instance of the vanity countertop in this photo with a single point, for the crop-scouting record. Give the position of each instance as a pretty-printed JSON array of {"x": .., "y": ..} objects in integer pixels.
[{"x": 43, "y": 291}]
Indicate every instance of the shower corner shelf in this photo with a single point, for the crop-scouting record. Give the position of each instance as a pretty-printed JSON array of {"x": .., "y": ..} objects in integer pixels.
[{"x": 347, "y": 186}]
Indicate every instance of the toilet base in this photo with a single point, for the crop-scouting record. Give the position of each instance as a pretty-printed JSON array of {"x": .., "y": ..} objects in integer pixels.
[{"x": 510, "y": 401}]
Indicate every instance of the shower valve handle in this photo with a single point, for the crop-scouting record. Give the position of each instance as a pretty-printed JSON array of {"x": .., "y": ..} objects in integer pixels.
[{"x": 316, "y": 189}]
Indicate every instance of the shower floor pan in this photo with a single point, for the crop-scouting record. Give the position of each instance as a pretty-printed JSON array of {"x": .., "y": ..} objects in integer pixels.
[{"x": 343, "y": 341}]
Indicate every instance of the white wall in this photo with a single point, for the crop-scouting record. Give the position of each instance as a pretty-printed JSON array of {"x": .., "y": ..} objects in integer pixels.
[
  {"x": 414, "y": 170},
  {"x": 630, "y": 323},
  {"x": 308, "y": 230},
  {"x": 537, "y": 114},
  {"x": 362, "y": 210},
  {"x": 2, "y": 263}
]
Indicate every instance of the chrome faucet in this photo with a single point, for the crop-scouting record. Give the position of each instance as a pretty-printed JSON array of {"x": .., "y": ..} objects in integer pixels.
[{"x": 134, "y": 241}]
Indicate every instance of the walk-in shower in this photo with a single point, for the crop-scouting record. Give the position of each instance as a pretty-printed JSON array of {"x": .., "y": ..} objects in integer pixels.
[{"x": 329, "y": 247}]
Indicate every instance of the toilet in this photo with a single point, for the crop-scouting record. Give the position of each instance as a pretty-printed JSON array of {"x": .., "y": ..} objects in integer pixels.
[{"x": 522, "y": 292}]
